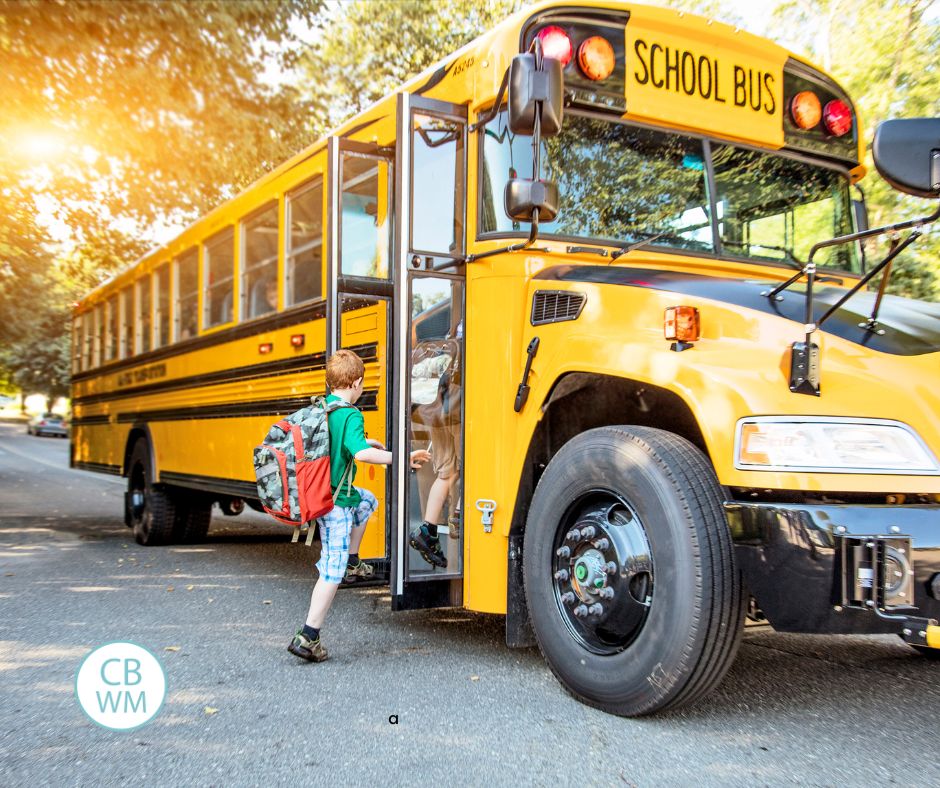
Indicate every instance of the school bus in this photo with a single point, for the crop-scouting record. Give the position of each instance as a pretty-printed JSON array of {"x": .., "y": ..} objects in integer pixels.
[{"x": 659, "y": 394}]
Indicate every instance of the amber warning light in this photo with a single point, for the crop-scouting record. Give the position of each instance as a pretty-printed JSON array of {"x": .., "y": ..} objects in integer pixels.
[
  {"x": 806, "y": 110},
  {"x": 681, "y": 324},
  {"x": 596, "y": 58}
]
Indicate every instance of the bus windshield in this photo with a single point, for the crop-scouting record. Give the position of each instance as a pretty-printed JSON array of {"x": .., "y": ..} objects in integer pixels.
[{"x": 620, "y": 184}]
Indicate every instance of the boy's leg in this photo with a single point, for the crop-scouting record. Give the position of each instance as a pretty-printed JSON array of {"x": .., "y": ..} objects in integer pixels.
[
  {"x": 334, "y": 553},
  {"x": 357, "y": 570},
  {"x": 363, "y": 513},
  {"x": 320, "y": 601}
]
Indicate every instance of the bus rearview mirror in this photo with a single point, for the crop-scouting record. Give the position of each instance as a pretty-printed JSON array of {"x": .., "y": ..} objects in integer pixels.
[
  {"x": 535, "y": 93},
  {"x": 907, "y": 154},
  {"x": 524, "y": 196}
]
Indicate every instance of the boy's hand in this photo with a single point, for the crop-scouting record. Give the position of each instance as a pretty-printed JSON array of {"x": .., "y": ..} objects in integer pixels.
[
  {"x": 375, "y": 444},
  {"x": 419, "y": 456}
]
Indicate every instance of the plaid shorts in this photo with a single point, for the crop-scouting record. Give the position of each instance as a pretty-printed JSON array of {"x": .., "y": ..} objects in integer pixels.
[{"x": 335, "y": 527}]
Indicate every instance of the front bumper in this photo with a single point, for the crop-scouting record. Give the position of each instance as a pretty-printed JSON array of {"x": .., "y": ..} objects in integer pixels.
[{"x": 789, "y": 556}]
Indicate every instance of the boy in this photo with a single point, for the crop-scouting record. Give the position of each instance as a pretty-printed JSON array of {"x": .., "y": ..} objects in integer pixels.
[{"x": 342, "y": 528}]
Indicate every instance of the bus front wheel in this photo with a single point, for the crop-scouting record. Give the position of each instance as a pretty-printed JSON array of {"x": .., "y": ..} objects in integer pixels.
[
  {"x": 151, "y": 509},
  {"x": 630, "y": 578}
]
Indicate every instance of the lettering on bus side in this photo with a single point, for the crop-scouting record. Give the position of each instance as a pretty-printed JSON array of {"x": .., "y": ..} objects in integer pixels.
[
  {"x": 680, "y": 70},
  {"x": 142, "y": 375}
]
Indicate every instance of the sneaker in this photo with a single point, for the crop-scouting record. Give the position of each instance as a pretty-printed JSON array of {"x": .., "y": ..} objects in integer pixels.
[
  {"x": 361, "y": 571},
  {"x": 305, "y": 648},
  {"x": 429, "y": 547}
]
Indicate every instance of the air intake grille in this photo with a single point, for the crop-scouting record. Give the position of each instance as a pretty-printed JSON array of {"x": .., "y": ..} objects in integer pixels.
[{"x": 554, "y": 306}]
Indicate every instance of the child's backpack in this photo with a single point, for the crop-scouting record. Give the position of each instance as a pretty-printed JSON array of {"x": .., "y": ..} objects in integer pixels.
[{"x": 292, "y": 465}]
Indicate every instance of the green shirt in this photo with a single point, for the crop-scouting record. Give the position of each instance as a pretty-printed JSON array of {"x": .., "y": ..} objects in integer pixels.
[{"x": 347, "y": 436}]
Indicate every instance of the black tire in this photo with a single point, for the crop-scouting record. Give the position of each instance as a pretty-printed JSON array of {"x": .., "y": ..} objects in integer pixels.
[
  {"x": 193, "y": 515},
  {"x": 671, "y": 628},
  {"x": 152, "y": 511}
]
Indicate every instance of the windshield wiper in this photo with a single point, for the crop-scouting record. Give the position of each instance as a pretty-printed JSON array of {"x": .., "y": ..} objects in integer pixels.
[{"x": 636, "y": 245}]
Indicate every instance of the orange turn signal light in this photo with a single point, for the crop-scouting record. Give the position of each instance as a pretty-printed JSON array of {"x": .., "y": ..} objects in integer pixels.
[
  {"x": 596, "y": 58},
  {"x": 806, "y": 109},
  {"x": 751, "y": 443},
  {"x": 681, "y": 324}
]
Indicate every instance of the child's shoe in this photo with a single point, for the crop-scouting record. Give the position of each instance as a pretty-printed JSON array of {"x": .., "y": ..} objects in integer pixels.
[
  {"x": 305, "y": 648},
  {"x": 429, "y": 547},
  {"x": 361, "y": 571}
]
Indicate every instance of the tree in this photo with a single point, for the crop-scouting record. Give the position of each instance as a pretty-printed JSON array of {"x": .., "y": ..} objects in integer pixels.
[
  {"x": 120, "y": 116},
  {"x": 369, "y": 47}
]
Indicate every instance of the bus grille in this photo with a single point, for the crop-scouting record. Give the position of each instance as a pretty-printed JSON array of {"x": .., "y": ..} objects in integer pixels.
[{"x": 555, "y": 306}]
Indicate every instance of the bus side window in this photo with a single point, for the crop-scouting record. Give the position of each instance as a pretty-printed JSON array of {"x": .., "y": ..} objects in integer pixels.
[
  {"x": 304, "y": 209},
  {"x": 437, "y": 177},
  {"x": 143, "y": 314},
  {"x": 77, "y": 344},
  {"x": 259, "y": 244},
  {"x": 364, "y": 233},
  {"x": 87, "y": 339},
  {"x": 113, "y": 338},
  {"x": 185, "y": 313},
  {"x": 161, "y": 285},
  {"x": 127, "y": 322},
  {"x": 97, "y": 355},
  {"x": 219, "y": 279}
]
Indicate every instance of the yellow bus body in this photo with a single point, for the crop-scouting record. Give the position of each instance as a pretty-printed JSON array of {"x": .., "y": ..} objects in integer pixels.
[{"x": 738, "y": 368}]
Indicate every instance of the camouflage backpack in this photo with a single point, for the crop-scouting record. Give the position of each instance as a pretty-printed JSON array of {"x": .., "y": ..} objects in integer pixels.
[{"x": 292, "y": 465}]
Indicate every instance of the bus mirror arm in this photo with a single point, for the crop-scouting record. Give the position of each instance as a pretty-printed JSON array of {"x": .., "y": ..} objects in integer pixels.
[
  {"x": 810, "y": 267},
  {"x": 805, "y": 351}
]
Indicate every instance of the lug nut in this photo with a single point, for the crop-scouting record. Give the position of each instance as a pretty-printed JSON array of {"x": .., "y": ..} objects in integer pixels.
[
  {"x": 573, "y": 535},
  {"x": 602, "y": 544},
  {"x": 563, "y": 552},
  {"x": 561, "y": 574},
  {"x": 596, "y": 609},
  {"x": 606, "y": 593},
  {"x": 567, "y": 598},
  {"x": 588, "y": 532},
  {"x": 580, "y": 611},
  {"x": 610, "y": 568}
]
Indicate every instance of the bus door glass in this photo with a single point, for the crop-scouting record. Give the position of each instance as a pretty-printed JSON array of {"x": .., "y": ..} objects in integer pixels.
[
  {"x": 428, "y": 529},
  {"x": 359, "y": 299}
]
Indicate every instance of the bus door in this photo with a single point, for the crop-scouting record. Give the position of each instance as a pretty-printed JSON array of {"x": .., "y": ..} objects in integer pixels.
[
  {"x": 430, "y": 200},
  {"x": 359, "y": 299}
]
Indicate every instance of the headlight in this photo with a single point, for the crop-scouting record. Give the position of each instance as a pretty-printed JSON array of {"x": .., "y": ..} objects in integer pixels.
[{"x": 830, "y": 445}]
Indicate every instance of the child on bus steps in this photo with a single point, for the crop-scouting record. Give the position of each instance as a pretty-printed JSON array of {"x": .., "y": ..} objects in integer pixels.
[{"x": 342, "y": 528}]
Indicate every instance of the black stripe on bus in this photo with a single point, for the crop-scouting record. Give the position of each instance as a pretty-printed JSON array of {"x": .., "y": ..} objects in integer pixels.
[
  {"x": 98, "y": 467},
  {"x": 237, "y": 410},
  {"x": 234, "y": 487},
  {"x": 292, "y": 317},
  {"x": 87, "y": 421},
  {"x": 289, "y": 366}
]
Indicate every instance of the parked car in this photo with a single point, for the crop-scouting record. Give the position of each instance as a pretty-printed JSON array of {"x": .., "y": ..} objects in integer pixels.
[{"x": 48, "y": 424}]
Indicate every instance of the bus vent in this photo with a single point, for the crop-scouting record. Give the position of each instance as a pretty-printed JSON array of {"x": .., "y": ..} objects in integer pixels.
[{"x": 554, "y": 306}]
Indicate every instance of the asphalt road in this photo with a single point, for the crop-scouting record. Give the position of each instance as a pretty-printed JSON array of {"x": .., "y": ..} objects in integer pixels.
[{"x": 794, "y": 709}]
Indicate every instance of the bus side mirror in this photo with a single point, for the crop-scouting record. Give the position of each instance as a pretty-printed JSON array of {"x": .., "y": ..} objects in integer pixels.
[
  {"x": 523, "y": 196},
  {"x": 907, "y": 154},
  {"x": 535, "y": 93}
]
